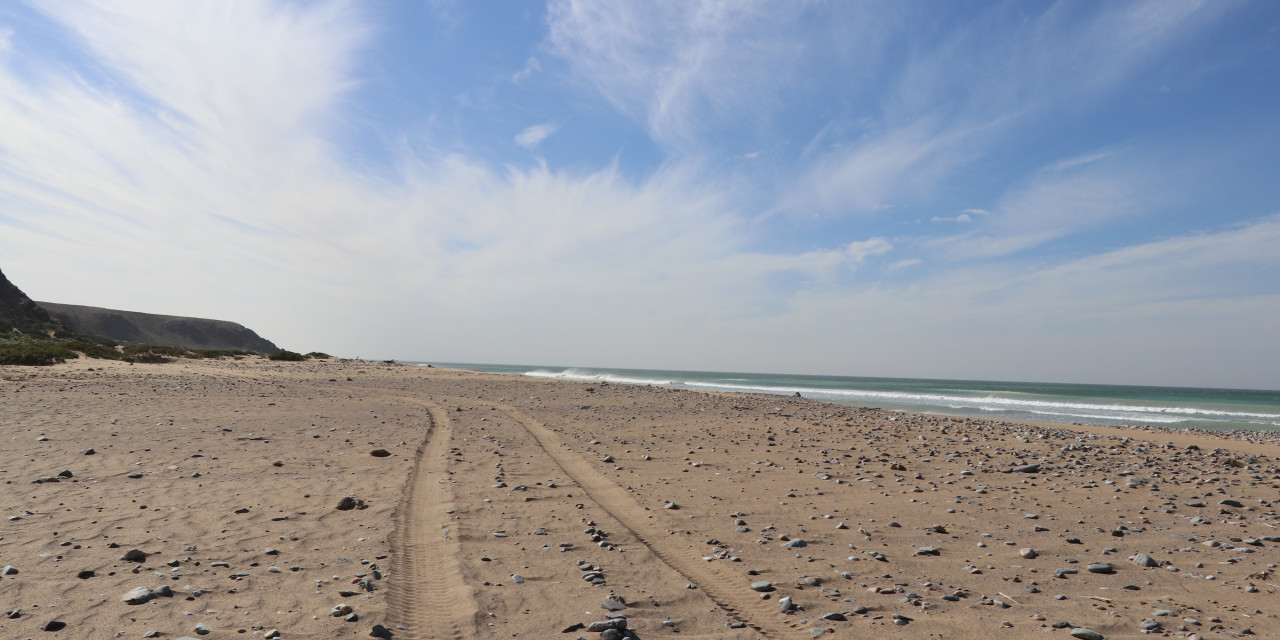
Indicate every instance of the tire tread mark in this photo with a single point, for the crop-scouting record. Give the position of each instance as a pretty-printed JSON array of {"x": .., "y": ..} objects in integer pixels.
[
  {"x": 429, "y": 595},
  {"x": 618, "y": 503}
]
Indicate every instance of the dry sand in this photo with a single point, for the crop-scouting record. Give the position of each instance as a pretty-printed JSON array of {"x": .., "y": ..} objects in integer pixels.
[{"x": 500, "y": 494}]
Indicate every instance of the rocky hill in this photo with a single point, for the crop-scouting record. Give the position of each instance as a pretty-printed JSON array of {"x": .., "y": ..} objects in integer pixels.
[
  {"x": 19, "y": 313},
  {"x": 132, "y": 327}
]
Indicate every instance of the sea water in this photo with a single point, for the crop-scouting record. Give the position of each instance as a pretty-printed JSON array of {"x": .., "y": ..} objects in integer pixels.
[{"x": 1095, "y": 404}]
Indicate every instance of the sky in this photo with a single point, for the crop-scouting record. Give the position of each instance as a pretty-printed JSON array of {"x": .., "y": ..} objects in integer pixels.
[{"x": 1046, "y": 191}]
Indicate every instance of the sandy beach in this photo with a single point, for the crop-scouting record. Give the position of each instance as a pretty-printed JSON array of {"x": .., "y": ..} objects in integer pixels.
[{"x": 350, "y": 499}]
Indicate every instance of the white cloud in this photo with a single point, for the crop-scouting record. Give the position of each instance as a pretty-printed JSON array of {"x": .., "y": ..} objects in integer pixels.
[
  {"x": 531, "y": 66},
  {"x": 532, "y": 136},
  {"x": 679, "y": 67}
]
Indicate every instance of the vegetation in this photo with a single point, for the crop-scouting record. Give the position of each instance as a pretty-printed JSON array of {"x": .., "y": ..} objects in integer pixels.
[
  {"x": 221, "y": 353},
  {"x": 21, "y": 349},
  {"x": 35, "y": 354}
]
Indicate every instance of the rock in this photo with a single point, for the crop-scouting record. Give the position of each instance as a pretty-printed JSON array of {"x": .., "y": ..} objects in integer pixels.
[
  {"x": 600, "y": 625},
  {"x": 86, "y": 574},
  {"x": 88, "y": 452},
  {"x": 349, "y": 502},
  {"x": 612, "y": 605},
  {"x": 785, "y": 605},
  {"x": 1086, "y": 634},
  {"x": 163, "y": 591},
  {"x": 1026, "y": 468},
  {"x": 380, "y": 631},
  {"x": 339, "y": 610},
  {"x": 795, "y": 544},
  {"x": 9, "y": 570},
  {"x": 274, "y": 633},
  {"x": 380, "y": 453},
  {"x": 138, "y": 595},
  {"x": 928, "y": 551},
  {"x": 762, "y": 586},
  {"x": 134, "y": 555},
  {"x": 1231, "y": 503},
  {"x": 671, "y": 506},
  {"x": 838, "y": 617},
  {"x": 1100, "y": 567},
  {"x": 54, "y": 625},
  {"x": 14, "y": 614},
  {"x": 65, "y": 473},
  {"x": 1144, "y": 560},
  {"x": 1028, "y": 553},
  {"x": 203, "y": 629}
]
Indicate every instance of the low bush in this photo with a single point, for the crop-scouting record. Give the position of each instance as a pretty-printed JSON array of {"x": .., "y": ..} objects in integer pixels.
[
  {"x": 35, "y": 354},
  {"x": 102, "y": 353},
  {"x": 319, "y": 355},
  {"x": 289, "y": 356},
  {"x": 220, "y": 353}
]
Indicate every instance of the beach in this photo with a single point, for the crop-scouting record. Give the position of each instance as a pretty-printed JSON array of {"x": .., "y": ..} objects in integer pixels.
[{"x": 344, "y": 499}]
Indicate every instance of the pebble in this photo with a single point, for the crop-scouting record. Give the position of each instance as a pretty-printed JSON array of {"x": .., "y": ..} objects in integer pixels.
[
  {"x": 1086, "y": 634},
  {"x": 203, "y": 629},
  {"x": 762, "y": 586},
  {"x": 1100, "y": 567},
  {"x": 1144, "y": 560},
  {"x": 1028, "y": 553},
  {"x": 137, "y": 595}
]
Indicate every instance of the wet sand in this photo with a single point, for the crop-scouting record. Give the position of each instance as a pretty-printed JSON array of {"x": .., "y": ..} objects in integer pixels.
[{"x": 521, "y": 508}]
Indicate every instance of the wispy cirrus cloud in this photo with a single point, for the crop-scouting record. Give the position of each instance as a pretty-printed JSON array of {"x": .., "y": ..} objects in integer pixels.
[
  {"x": 681, "y": 68},
  {"x": 533, "y": 136}
]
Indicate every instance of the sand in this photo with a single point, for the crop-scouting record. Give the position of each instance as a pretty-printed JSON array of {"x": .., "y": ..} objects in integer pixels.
[{"x": 511, "y": 507}]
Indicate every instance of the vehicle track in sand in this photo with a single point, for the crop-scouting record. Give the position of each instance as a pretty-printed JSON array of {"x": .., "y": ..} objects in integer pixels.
[
  {"x": 428, "y": 594},
  {"x": 726, "y": 590}
]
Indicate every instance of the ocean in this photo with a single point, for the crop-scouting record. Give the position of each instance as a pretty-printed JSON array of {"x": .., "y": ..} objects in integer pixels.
[{"x": 1094, "y": 404}]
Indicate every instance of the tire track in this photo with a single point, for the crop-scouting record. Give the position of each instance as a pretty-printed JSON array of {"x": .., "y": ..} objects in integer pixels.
[
  {"x": 727, "y": 591},
  {"x": 429, "y": 595}
]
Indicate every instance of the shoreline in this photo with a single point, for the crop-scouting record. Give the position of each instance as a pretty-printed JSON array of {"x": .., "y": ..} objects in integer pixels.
[
  {"x": 499, "y": 494},
  {"x": 1269, "y": 437}
]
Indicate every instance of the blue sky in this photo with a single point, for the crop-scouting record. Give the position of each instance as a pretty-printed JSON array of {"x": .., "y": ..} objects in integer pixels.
[{"x": 1054, "y": 191}]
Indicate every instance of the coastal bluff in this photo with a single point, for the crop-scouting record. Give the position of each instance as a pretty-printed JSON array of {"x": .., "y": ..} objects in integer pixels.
[{"x": 133, "y": 327}]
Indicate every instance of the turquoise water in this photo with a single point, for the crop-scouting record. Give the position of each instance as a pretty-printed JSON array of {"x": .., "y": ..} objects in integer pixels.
[{"x": 1108, "y": 405}]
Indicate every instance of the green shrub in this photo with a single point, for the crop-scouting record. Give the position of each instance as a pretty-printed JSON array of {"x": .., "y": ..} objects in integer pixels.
[
  {"x": 35, "y": 354},
  {"x": 290, "y": 356},
  {"x": 220, "y": 353},
  {"x": 319, "y": 355},
  {"x": 148, "y": 357},
  {"x": 102, "y": 353},
  {"x": 131, "y": 351}
]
